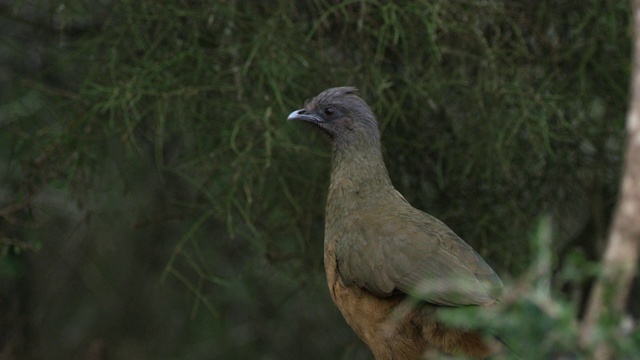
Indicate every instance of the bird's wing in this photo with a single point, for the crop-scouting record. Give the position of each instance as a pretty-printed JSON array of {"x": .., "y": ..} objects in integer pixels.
[{"x": 418, "y": 255}]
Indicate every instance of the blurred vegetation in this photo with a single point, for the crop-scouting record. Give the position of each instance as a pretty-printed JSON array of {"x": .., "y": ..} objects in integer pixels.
[{"x": 156, "y": 205}]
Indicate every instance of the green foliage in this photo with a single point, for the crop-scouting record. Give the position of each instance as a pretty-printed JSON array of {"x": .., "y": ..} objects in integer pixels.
[
  {"x": 534, "y": 320},
  {"x": 157, "y": 130}
]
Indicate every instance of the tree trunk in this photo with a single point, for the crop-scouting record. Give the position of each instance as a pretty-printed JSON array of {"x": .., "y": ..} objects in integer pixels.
[{"x": 609, "y": 295}]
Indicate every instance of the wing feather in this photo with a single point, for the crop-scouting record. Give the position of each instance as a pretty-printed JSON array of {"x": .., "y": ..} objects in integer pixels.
[{"x": 418, "y": 255}]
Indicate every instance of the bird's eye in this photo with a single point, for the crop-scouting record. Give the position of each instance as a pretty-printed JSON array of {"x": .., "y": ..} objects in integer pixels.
[{"x": 329, "y": 111}]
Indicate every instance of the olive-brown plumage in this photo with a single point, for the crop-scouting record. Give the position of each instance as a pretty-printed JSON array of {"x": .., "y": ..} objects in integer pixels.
[{"x": 379, "y": 249}]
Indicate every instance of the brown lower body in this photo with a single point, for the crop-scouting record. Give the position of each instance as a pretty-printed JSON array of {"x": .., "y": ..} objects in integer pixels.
[{"x": 395, "y": 329}]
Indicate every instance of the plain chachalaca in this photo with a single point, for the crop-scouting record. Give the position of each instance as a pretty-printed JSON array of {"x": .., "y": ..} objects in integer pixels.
[{"x": 379, "y": 250}]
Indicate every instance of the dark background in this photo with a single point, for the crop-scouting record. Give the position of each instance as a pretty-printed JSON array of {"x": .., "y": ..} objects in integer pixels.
[{"x": 155, "y": 203}]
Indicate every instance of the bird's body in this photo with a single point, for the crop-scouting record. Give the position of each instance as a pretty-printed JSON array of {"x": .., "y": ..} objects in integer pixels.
[{"x": 378, "y": 249}]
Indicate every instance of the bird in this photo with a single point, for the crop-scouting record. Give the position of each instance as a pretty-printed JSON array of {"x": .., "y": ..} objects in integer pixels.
[{"x": 390, "y": 267}]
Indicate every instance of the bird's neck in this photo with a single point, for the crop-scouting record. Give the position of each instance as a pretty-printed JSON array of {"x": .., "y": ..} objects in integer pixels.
[{"x": 358, "y": 172}]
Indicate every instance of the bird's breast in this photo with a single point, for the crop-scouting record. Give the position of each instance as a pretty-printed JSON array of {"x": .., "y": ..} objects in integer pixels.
[{"x": 362, "y": 310}]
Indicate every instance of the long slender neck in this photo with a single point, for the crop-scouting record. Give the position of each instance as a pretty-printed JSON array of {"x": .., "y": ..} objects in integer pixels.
[{"x": 358, "y": 170}]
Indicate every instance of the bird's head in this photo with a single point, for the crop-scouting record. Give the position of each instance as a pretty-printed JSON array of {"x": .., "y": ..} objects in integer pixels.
[{"x": 342, "y": 115}]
